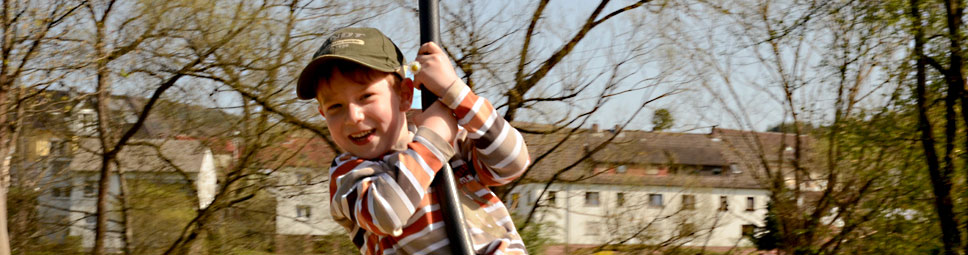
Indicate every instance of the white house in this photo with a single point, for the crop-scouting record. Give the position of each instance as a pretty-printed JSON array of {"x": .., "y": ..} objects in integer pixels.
[
  {"x": 643, "y": 188},
  {"x": 72, "y": 198},
  {"x": 302, "y": 203},
  {"x": 301, "y": 187}
]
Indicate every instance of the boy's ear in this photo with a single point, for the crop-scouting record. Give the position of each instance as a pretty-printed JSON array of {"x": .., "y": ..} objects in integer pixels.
[
  {"x": 319, "y": 108},
  {"x": 406, "y": 94}
]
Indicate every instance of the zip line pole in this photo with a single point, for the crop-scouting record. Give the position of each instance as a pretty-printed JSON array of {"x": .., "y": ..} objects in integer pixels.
[{"x": 444, "y": 186}]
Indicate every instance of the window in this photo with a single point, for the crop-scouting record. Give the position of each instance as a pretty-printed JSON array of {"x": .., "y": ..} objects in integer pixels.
[
  {"x": 303, "y": 212},
  {"x": 59, "y": 147},
  {"x": 87, "y": 118},
  {"x": 89, "y": 190},
  {"x": 688, "y": 202},
  {"x": 42, "y": 147},
  {"x": 591, "y": 199},
  {"x": 620, "y": 199},
  {"x": 748, "y": 229},
  {"x": 592, "y": 228},
  {"x": 723, "y": 203},
  {"x": 552, "y": 198},
  {"x": 60, "y": 192},
  {"x": 655, "y": 200},
  {"x": 621, "y": 169},
  {"x": 750, "y": 203}
]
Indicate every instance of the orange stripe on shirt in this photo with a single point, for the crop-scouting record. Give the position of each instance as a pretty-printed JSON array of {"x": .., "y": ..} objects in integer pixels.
[
  {"x": 370, "y": 244},
  {"x": 465, "y": 106},
  {"x": 342, "y": 169},
  {"x": 427, "y": 156},
  {"x": 491, "y": 198},
  {"x": 418, "y": 171},
  {"x": 365, "y": 218},
  {"x": 483, "y": 173},
  {"x": 422, "y": 223},
  {"x": 386, "y": 243},
  {"x": 477, "y": 122}
]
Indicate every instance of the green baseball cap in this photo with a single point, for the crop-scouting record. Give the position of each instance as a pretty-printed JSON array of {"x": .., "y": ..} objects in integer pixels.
[{"x": 362, "y": 45}]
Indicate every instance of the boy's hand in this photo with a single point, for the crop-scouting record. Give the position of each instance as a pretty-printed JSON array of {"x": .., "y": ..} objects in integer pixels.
[
  {"x": 440, "y": 119},
  {"x": 436, "y": 73}
]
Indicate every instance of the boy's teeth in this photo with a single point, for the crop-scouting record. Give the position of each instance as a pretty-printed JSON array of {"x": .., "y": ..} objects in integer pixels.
[{"x": 361, "y": 135}]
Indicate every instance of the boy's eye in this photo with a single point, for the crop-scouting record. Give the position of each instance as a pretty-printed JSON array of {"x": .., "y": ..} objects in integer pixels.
[
  {"x": 367, "y": 95},
  {"x": 334, "y": 107}
]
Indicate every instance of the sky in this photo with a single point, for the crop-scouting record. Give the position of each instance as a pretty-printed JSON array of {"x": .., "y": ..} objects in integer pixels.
[
  {"x": 709, "y": 89},
  {"x": 590, "y": 56},
  {"x": 723, "y": 89}
]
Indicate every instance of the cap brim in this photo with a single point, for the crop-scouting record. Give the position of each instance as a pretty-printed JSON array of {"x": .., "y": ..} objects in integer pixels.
[{"x": 308, "y": 77}]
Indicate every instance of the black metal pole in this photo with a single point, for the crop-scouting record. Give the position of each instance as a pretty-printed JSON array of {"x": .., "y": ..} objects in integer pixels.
[
  {"x": 444, "y": 186},
  {"x": 429, "y": 32}
]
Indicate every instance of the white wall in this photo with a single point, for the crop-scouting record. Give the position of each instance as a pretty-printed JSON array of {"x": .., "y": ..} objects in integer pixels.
[
  {"x": 292, "y": 194},
  {"x": 206, "y": 182},
  {"x": 81, "y": 207},
  {"x": 576, "y": 223}
]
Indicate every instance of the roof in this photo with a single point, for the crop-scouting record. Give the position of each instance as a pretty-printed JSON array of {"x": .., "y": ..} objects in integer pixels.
[
  {"x": 641, "y": 149},
  {"x": 152, "y": 155},
  {"x": 754, "y": 147},
  {"x": 638, "y": 147},
  {"x": 167, "y": 118}
]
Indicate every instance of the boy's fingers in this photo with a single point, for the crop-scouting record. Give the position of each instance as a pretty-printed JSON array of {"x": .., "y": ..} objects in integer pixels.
[
  {"x": 418, "y": 83},
  {"x": 429, "y": 48}
]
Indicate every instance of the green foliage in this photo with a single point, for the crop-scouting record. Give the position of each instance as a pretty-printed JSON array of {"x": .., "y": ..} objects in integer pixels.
[
  {"x": 768, "y": 237},
  {"x": 29, "y": 237},
  {"x": 662, "y": 119},
  {"x": 71, "y": 245},
  {"x": 535, "y": 236},
  {"x": 335, "y": 244},
  {"x": 786, "y": 127},
  {"x": 227, "y": 234},
  {"x": 160, "y": 211}
]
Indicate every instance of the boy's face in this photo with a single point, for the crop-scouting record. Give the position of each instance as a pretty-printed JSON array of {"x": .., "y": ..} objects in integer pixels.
[{"x": 366, "y": 120}]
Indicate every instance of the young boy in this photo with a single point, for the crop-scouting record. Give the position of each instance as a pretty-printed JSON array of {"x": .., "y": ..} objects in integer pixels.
[{"x": 380, "y": 188}]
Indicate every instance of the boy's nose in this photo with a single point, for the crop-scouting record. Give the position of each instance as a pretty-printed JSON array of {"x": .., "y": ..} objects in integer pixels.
[{"x": 355, "y": 114}]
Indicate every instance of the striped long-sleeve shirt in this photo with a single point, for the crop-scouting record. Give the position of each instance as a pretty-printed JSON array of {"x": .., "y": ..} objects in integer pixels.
[{"x": 388, "y": 206}]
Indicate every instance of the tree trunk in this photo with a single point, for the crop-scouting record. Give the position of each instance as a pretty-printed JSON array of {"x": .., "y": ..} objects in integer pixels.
[
  {"x": 103, "y": 97},
  {"x": 4, "y": 168},
  {"x": 940, "y": 181},
  {"x": 127, "y": 234},
  {"x": 956, "y": 87}
]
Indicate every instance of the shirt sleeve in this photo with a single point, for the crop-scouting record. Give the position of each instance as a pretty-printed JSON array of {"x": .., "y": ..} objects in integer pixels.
[
  {"x": 380, "y": 196},
  {"x": 499, "y": 153}
]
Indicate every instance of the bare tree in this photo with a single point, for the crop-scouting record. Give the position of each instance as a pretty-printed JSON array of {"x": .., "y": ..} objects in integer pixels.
[
  {"x": 121, "y": 30},
  {"x": 822, "y": 188},
  {"x": 27, "y": 28}
]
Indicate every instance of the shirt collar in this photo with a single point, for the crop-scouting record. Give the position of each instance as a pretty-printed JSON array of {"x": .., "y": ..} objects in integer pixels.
[{"x": 403, "y": 140}]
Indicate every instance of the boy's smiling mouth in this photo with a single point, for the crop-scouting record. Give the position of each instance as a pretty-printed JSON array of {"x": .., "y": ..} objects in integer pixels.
[{"x": 362, "y": 137}]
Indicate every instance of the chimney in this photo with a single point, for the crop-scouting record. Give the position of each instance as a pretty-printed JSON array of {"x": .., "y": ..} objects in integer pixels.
[
  {"x": 618, "y": 128},
  {"x": 713, "y": 136},
  {"x": 595, "y": 128}
]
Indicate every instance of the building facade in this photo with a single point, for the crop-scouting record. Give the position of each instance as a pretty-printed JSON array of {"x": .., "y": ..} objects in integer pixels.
[{"x": 651, "y": 190}]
